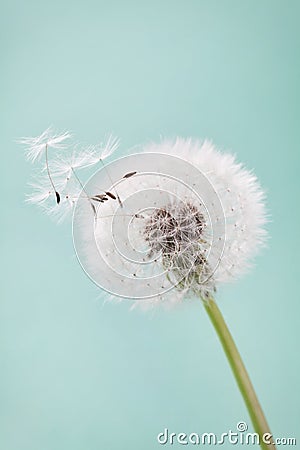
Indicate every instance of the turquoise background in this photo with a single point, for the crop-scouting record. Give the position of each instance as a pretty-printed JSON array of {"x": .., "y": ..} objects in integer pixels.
[{"x": 82, "y": 376}]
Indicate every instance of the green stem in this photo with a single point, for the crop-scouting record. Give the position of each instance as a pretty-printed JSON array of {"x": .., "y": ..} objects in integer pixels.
[{"x": 258, "y": 419}]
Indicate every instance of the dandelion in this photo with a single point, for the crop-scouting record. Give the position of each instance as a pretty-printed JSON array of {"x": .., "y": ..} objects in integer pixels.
[
  {"x": 202, "y": 222},
  {"x": 192, "y": 219},
  {"x": 163, "y": 226}
]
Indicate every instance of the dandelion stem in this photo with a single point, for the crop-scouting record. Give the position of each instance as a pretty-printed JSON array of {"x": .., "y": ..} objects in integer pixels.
[{"x": 258, "y": 419}]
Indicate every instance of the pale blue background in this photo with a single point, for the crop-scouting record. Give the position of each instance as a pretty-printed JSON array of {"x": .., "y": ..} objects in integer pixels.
[{"x": 79, "y": 376}]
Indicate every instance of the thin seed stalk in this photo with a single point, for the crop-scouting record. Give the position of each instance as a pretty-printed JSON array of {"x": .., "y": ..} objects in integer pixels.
[
  {"x": 257, "y": 416},
  {"x": 57, "y": 196}
]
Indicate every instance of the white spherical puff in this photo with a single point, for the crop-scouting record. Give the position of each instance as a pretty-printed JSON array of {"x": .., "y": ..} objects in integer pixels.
[{"x": 178, "y": 228}]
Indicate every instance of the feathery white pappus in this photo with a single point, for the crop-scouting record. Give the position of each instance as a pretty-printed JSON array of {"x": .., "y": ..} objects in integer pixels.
[
  {"x": 57, "y": 186},
  {"x": 36, "y": 145}
]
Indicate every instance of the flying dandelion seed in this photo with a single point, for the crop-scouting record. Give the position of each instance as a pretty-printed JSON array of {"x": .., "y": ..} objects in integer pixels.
[{"x": 58, "y": 185}]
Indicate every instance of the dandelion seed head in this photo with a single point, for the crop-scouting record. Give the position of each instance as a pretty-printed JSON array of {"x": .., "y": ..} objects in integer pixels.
[{"x": 191, "y": 219}]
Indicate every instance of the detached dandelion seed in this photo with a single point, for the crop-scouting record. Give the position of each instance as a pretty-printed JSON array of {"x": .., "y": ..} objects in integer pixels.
[
  {"x": 40, "y": 145},
  {"x": 58, "y": 185}
]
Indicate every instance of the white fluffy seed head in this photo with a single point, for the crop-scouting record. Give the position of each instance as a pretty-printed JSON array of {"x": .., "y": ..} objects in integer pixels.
[{"x": 191, "y": 218}]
